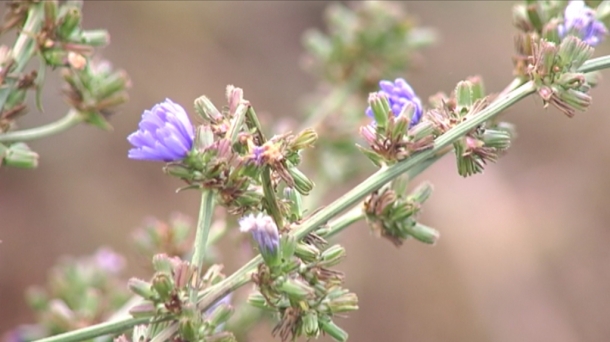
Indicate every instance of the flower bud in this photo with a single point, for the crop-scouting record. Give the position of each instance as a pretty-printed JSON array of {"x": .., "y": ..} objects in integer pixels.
[
  {"x": 163, "y": 286},
  {"x": 95, "y": 38},
  {"x": 423, "y": 233},
  {"x": 163, "y": 263},
  {"x": 310, "y": 324},
  {"x": 380, "y": 107},
  {"x": 296, "y": 289},
  {"x": 422, "y": 192},
  {"x": 464, "y": 97},
  {"x": 265, "y": 233},
  {"x": 306, "y": 138},
  {"x": 257, "y": 300},
  {"x": 188, "y": 328},
  {"x": 301, "y": 183},
  {"x": 146, "y": 309},
  {"x": 333, "y": 330},
  {"x": 422, "y": 130},
  {"x": 288, "y": 245},
  {"x": 345, "y": 302},
  {"x": 220, "y": 315},
  {"x": 498, "y": 139},
  {"x": 141, "y": 288},
  {"x": 307, "y": 252},
  {"x": 20, "y": 155},
  {"x": 69, "y": 22},
  {"x": 206, "y": 109},
  {"x": 332, "y": 256}
]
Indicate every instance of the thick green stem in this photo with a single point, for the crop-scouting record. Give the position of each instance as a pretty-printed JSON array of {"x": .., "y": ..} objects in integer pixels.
[
  {"x": 71, "y": 119},
  {"x": 203, "y": 231}
]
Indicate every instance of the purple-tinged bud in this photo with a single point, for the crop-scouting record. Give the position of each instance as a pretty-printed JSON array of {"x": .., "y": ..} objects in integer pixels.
[
  {"x": 263, "y": 230},
  {"x": 165, "y": 134},
  {"x": 580, "y": 21},
  {"x": 399, "y": 93}
]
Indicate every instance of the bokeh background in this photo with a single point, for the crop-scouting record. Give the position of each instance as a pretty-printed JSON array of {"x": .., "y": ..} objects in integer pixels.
[{"x": 523, "y": 254}]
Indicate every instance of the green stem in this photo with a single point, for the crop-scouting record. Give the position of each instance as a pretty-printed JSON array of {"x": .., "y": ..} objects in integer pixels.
[
  {"x": 203, "y": 230},
  {"x": 24, "y": 48},
  {"x": 106, "y": 328},
  {"x": 71, "y": 119},
  {"x": 595, "y": 64},
  {"x": 270, "y": 198}
]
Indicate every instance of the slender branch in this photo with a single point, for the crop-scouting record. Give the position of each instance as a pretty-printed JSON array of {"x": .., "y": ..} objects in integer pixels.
[
  {"x": 70, "y": 120},
  {"x": 203, "y": 231},
  {"x": 106, "y": 328},
  {"x": 595, "y": 64}
]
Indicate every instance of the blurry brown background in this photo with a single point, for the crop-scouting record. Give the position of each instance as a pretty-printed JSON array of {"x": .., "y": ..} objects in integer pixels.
[{"x": 524, "y": 252}]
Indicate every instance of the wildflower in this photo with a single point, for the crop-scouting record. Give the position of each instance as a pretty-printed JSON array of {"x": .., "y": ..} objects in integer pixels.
[
  {"x": 165, "y": 134},
  {"x": 579, "y": 20},
  {"x": 263, "y": 229},
  {"x": 399, "y": 94},
  {"x": 109, "y": 261}
]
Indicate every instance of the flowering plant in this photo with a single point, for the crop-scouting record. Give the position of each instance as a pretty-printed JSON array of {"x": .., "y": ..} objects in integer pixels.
[{"x": 263, "y": 182}]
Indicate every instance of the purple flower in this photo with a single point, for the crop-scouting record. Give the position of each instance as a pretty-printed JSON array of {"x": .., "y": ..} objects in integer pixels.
[
  {"x": 579, "y": 20},
  {"x": 109, "y": 261},
  {"x": 263, "y": 229},
  {"x": 165, "y": 134},
  {"x": 399, "y": 93}
]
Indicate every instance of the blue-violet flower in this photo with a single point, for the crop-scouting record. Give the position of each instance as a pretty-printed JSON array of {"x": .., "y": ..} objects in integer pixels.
[
  {"x": 579, "y": 20},
  {"x": 263, "y": 229},
  {"x": 165, "y": 134},
  {"x": 399, "y": 93}
]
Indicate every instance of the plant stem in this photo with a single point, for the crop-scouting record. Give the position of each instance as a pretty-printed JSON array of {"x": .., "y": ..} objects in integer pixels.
[
  {"x": 201, "y": 236},
  {"x": 71, "y": 119},
  {"x": 106, "y": 328},
  {"x": 24, "y": 48},
  {"x": 595, "y": 64}
]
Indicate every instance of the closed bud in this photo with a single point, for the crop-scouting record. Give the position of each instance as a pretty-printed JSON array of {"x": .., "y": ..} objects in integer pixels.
[
  {"x": 422, "y": 192},
  {"x": 295, "y": 288},
  {"x": 163, "y": 263},
  {"x": 61, "y": 315},
  {"x": 307, "y": 252},
  {"x": 206, "y": 109},
  {"x": 50, "y": 11},
  {"x": 111, "y": 84},
  {"x": 346, "y": 302},
  {"x": 422, "y": 130},
  {"x": 55, "y": 57},
  {"x": 423, "y": 233},
  {"x": 571, "y": 80},
  {"x": 464, "y": 97},
  {"x": 204, "y": 137},
  {"x": 498, "y": 139},
  {"x": 146, "y": 309},
  {"x": 333, "y": 330},
  {"x": 288, "y": 245},
  {"x": 163, "y": 286},
  {"x": 295, "y": 201},
  {"x": 20, "y": 155},
  {"x": 220, "y": 315},
  {"x": 189, "y": 328},
  {"x": 574, "y": 52},
  {"x": 95, "y": 38},
  {"x": 576, "y": 99},
  {"x": 534, "y": 16},
  {"x": 301, "y": 183},
  {"x": 550, "y": 31},
  {"x": 70, "y": 22},
  {"x": 477, "y": 87},
  {"x": 304, "y": 139},
  {"x": 257, "y": 300},
  {"x": 141, "y": 288},
  {"x": 332, "y": 256},
  {"x": 235, "y": 97},
  {"x": 381, "y": 109},
  {"x": 310, "y": 324}
]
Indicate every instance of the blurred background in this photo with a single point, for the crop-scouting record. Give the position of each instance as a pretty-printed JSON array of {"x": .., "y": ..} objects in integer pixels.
[{"x": 523, "y": 254}]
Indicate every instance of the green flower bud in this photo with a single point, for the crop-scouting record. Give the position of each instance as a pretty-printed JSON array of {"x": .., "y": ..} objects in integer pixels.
[
  {"x": 296, "y": 289},
  {"x": 422, "y": 130},
  {"x": 189, "y": 328},
  {"x": 574, "y": 52},
  {"x": 550, "y": 31},
  {"x": 146, "y": 309},
  {"x": 95, "y": 38},
  {"x": 423, "y": 233},
  {"x": 206, "y": 109},
  {"x": 220, "y": 315},
  {"x": 288, "y": 245},
  {"x": 20, "y": 155},
  {"x": 346, "y": 302},
  {"x": 333, "y": 330},
  {"x": 301, "y": 183},
  {"x": 141, "y": 288},
  {"x": 306, "y": 138},
  {"x": 497, "y": 139},
  {"x": 381, "y": 109},
  {"x": 163, "y": 286},
  {"x": 422, "y": 192},
  {"x": 162, "y": 263},
  {"x": 69, "y": 22},
  {"x": 295, "y": 202},
  {"x": 332, "y": 256},
  {"x": 310, "y": 324},
  {"x": 464, "y": 97},
  {"x": 307, "y": 252},
  {"x": 257, "y": 300}
]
